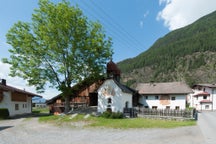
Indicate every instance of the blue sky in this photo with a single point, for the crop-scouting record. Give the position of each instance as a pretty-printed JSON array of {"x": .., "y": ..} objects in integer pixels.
[
  {"x": 134, "y": 25},
  {"x": 131, "y": 24}
]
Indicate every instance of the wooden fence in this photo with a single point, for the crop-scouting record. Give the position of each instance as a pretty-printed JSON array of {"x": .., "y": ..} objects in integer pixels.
[{"x": 165, "y": 112}]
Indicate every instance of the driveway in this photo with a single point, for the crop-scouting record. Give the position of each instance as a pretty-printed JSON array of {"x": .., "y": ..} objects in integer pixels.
[
  {"x": 207, "y": 124},
  {"x": 29, "y": 131}
]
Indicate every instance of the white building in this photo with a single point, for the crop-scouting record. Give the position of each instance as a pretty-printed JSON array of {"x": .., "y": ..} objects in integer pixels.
[
  {"x": 169, "y": 95},
  {"x": 15, "y": 100},
  {"x": 114, "y": 96},
  {"x": 204, "y": 97}
]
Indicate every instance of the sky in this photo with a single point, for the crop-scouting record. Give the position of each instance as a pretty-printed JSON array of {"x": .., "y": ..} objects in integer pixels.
[{"x": 133, "y": 25}]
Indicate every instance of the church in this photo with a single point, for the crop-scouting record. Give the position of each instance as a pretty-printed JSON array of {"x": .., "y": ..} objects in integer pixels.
[{"x": 114, "y": 96}]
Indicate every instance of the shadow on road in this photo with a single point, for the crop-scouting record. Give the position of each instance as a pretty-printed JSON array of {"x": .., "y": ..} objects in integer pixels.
[
  {"x": 5, "y": 127},
  {"x": 29, "y": 115}
]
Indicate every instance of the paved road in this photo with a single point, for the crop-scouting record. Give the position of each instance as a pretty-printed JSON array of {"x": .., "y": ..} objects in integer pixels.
[
  {"x": 29, "y": 131},
  {"x": 207, "y": 125}
]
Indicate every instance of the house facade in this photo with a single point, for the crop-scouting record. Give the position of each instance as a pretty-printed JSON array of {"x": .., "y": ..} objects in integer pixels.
[
  {"x": 169, "y": 95},
  {"x": 15, "y": 100},
  {"x": 113, "y": 96},
  {"x": 203, "y": 97}
]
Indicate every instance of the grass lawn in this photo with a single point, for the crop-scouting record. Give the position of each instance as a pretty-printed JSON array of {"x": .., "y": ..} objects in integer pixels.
[
  {"x": 92, "y": 121},
  {"x": 36, "y": 110}
]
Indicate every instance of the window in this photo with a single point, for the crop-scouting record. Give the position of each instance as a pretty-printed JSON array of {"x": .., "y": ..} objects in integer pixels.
[
  {"x": 16, "y": 106},
  {"x": 126, "y": 104},
  {"x": 206, "y": 107},
  {"x": 154, "y": 107},
  {"x": 147, "y": 107},
  {"x": 156, "y": 97},
  {"x": 173, "y": 98},
  {"x": 109, "y": 100},
  {"x": 146, "y": 97},
  {"x": 58, "y": 101},
  {"x": 204, "y": 97},
  {"x": 177, "y": 107},
  {"x": 167, "y": 107}
]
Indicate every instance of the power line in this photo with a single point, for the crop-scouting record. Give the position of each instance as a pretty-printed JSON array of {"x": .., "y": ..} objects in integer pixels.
[
  {"x": 109, "y": 25},
  {"x": 116, "y": 30},
  {"x": 117, "y": 24}
]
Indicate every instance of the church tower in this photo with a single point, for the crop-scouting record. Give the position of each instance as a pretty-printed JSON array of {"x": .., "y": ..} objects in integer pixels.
[{"x": 113, "y": 71}]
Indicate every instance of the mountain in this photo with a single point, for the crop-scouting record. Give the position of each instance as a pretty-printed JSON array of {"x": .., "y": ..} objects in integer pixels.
[
  {"x": 38, "y": 100},
  {"x": 186, "y": 54}
]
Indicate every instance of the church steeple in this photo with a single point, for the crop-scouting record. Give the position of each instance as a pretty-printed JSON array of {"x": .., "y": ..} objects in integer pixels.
[{"x": 113, "y": 71}]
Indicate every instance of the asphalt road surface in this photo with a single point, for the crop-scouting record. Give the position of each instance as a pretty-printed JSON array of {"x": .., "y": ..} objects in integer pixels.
[
  {"x": 207, "y": 124},
  {"x": 29, "y": 131}
]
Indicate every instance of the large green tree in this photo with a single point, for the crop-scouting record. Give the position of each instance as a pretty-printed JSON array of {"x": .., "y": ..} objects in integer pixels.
[{"x": 59, "y": 46}]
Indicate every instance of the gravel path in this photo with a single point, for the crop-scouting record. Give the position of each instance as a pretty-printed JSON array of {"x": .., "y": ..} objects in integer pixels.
[{"x": 29, "y": 131}]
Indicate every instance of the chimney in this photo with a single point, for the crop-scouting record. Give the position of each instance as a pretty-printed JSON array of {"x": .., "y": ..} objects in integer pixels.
[{"x": 3, "y": 82}]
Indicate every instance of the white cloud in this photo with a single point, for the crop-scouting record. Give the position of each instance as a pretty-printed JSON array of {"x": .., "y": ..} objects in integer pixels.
[
  {"x": 22, "y": 84},
  {"x": 179, "y": 13},
  {"x": 164, "y": 1}
]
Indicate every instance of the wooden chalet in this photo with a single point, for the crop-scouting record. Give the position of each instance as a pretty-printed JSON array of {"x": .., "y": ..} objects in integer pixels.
[{"x": 84, "y": 94}]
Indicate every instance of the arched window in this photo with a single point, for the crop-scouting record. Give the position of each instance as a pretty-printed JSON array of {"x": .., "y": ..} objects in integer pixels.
[{"x": 109, "y": 100}]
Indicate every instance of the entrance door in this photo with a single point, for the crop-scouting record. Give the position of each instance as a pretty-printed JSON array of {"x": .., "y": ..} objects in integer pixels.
[{"x": 93, "y": 99}]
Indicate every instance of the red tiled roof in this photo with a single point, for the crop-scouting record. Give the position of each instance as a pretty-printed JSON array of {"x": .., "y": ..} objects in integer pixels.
[
  {"x": 203, "y": 93},
  {"x": 205, "y": 101}
]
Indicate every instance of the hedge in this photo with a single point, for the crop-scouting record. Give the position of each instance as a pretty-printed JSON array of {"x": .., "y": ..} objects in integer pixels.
[{"x": 112, "y": 115}]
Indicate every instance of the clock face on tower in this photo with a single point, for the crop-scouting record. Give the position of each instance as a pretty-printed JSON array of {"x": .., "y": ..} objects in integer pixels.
[{"x": 108, "y": 91}]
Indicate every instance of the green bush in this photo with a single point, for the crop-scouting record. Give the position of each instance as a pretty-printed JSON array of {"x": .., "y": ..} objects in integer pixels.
[
  {"x": 4, "y": 113},
  {"x": 112, "y": 115},
  {"x": 117, "y": 115},
  {"x": 106, "y": 114}
]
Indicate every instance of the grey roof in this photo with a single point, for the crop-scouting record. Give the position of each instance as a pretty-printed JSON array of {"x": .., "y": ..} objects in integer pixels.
[
  {"x": 206, "y": 85},
  {"x": 13, "y": 89},
  {"x": 163, "y": 88},
  {"x": 125, "y": 88}
]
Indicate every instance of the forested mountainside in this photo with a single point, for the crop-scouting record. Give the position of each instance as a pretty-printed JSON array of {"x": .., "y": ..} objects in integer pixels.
[{"x": 187, "y": 54}]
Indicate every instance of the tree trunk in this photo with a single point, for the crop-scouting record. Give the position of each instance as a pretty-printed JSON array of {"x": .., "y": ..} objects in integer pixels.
[{"x": 67, "y": 104}]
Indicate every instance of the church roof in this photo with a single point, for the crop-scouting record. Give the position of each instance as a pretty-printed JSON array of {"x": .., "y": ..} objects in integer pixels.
[{"x": 112, "y": 67}]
